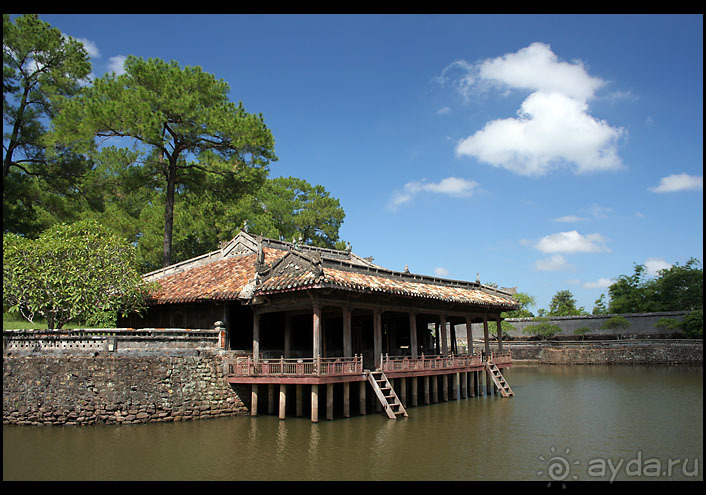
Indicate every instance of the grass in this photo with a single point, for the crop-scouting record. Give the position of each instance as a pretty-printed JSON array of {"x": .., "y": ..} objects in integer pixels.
[{"x": 14, "y": 322}]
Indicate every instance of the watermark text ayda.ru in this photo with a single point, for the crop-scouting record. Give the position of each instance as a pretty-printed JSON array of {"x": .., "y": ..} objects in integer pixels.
[{"x": 560, "y": 467}]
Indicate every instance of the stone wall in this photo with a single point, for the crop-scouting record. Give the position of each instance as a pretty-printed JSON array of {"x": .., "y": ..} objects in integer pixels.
[
  {"x": 687, "y": 352},
  {"x": 87, "y": 376}
]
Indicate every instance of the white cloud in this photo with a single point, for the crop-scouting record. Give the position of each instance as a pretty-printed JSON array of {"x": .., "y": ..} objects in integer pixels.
[
  {"x": 443, "y": 111},
  {"x": 572, "y": 242},
  {"x": 552, "y": 130},
  {"x": 90, "y": 47},
  {"x": 601, "y": 283},
  {"x": 553, "y": 127},
  {"x": 554, "y": 263},
  {"x": 441, "y": 272},
  {"x": 679, "y": 182},
  {"x": 537, "y": 68},
  {"x": 654, "y": 265},
  {"x": 116, "y": 64},
  {"x": 569, "y": 219},
  {"x": 451, "y": 186}
]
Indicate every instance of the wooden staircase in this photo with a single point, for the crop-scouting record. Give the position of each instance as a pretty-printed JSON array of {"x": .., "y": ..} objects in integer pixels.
[
  {"x": 499, "y": 379},
  {"x": 385, "y": 394}
]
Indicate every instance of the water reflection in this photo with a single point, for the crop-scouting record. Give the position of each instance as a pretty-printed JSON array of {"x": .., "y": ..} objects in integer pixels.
[{"x": 595, "y": 412}]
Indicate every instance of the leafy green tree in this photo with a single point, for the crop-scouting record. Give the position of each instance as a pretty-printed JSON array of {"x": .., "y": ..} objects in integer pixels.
[
  {"x": 543, "y": 329},
  {"x": 679, "y": 287},
  {"x": 674, "y": 289},
  {"x": 582, "y": 331},
  {"x": 600, "y": 307},
  {"x": 564, "y": 304},
  {"x": 693, "y": 324},
  {"x": 525, "y": 301},
  {"x": 295, "y": 209},
  {"x": 79, "y": 272},
  {"x": 40, "y": 67},
  {"x": 181, "y": 122},
  {"x": 617, "y": 323}
]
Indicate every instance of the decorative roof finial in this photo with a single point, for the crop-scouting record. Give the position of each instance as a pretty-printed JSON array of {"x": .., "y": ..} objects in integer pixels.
[
  {"x": 245, "y": 226},
  {"x": 477, "y": 277},
  {"x": 406, "y": 268}
]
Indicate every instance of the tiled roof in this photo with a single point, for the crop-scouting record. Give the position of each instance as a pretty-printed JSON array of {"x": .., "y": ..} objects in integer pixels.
[{"x": 287, "y": 269}]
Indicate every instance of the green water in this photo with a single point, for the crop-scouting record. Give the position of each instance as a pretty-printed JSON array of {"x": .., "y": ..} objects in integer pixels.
[{"x": 564, "y": 423}]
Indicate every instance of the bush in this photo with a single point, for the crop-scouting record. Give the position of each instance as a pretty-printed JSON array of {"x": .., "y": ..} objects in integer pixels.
[
  {"x": 693, "y": 324},
  {"x": 544, "y": 329}
]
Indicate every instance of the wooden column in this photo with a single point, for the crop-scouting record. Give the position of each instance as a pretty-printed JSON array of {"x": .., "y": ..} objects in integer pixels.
[
  {"x": 403, "y": 391},
  {"x": 445, "y": 387},
  {"x": 500, "y": 335},
  {"x": 282, "y": 400},
  {"x": 287, "y": 337},
  {"x": 316, "y": 324},
  {"x": 347, "y": 338},
  {"x": 426, "y": 389},
  {"x": 487, "y": 352},
  {"x": 434, "y": 379},
  {"x": 253, "y": 400},
  {"x": 413, "y": 334},
  {"x": 472, "y": 384},
  {"x": 377, "y": 338},
  {"x": 469, "y": 334},
  {"x": 444, "y": 337},
  {"x": 415, "y": 385},
  {"x": 314, "y": 403},
  {"x": 256, "y": 337}
]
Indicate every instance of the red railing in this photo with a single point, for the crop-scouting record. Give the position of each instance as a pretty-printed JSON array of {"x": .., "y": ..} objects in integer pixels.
[
  {"x": 246, "y": 366},
  {"x": 406, "y": 363},
  {"x": 504, "y": 357}
]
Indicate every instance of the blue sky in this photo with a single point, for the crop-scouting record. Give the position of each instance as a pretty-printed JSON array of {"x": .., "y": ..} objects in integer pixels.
[{"x": 543, "y": 152}]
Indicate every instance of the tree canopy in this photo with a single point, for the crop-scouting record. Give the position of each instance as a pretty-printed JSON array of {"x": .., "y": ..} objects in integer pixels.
[
  {"x": 181, "y": 125},
  {"x": 78, "y": 272}
]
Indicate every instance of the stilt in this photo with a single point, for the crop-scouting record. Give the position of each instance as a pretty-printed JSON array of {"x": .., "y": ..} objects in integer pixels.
[
  {"x": 253, "y": 400},
  {"x": 426, "y": 390},
  {"x": 329, "y": 401},
  {"x": 314, "y": 403},
  {"x": 434, "y": 388},
  {"x": 463, "y": 378},
  {"x": 270, "y": 398},
  {"x": 282, "y": 400},
  {"x": 403, "y": 391},
  {"x": 445, "y": 387},
  {"x": 346, "y": 400},
  {"x": 361, "y": 397},
  {"x": 300, "y": 404},
  {"x": 415, "y": 383},
  {"x": 472, "y": 384}
]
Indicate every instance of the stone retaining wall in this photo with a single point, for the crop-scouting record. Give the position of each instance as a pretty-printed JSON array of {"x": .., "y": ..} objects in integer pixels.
[
  {"x": 110, "y": 388},
  {"x": 611, "y": 352}
]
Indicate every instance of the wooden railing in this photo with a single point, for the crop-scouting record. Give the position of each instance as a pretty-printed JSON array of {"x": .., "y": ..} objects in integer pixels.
[
  {"x": 246, "y": 366},
  {"x": 504, "y": 357},
  {"x": 406, "y": 363}
]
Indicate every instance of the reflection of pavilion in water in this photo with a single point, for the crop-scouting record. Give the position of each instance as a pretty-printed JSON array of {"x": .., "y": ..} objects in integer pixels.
[{"x": 304, "y": 321}]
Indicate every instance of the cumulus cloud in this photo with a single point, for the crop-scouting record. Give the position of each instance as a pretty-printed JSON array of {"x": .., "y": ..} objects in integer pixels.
[
  {"x": 117, "y": 64},
  {"x": 554, "y": 263},
  {"x": 572, "y": 242},
  {"x": 679, "y": 182},
  {"x": 552, "y": 128},
  {"x": 601, "y": 283},
  {"x": 451, "y": 186},
  {"x": 654, "y": 265},
  {"x": 90, "y": 47}
]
